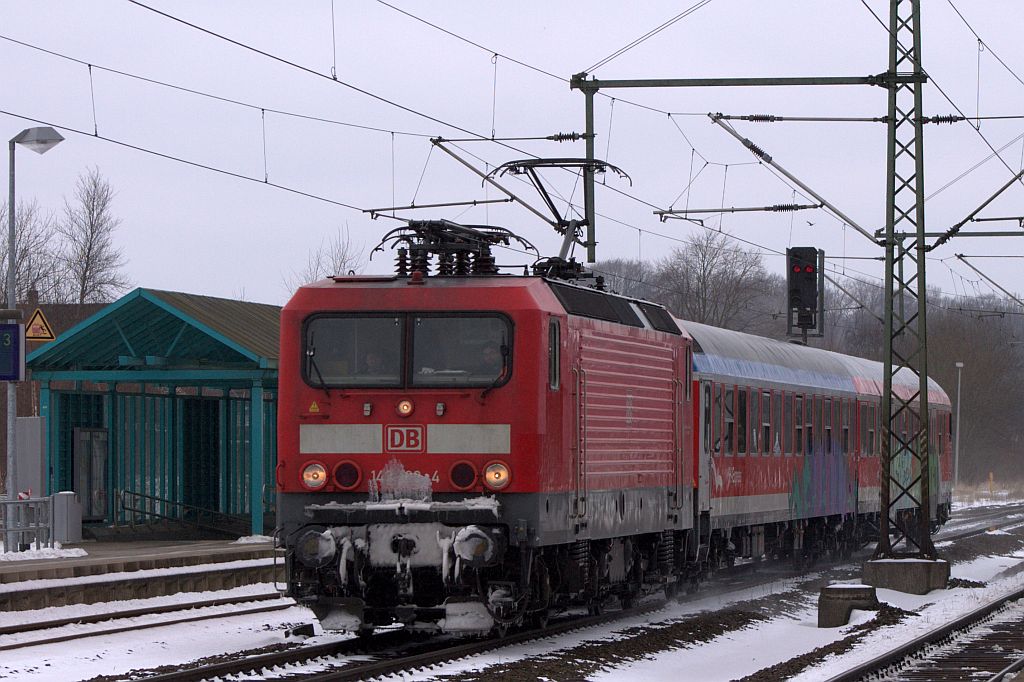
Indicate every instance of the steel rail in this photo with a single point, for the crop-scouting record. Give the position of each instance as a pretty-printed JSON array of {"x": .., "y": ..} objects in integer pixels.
[
  {"x": 393, "y": 638},
  {"x": 894, "y": 656},
  {"x": 364, "y": 670},
  {"x": 145, "y": 626},
  {"x": 130, "y": 613}
]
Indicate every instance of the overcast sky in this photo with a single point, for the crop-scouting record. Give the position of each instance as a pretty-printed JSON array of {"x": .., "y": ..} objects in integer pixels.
[{"x": 197, "y": 230}]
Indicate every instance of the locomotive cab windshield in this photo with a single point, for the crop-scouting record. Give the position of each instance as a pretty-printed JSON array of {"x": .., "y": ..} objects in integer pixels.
[{"x": 408, "y": 350}]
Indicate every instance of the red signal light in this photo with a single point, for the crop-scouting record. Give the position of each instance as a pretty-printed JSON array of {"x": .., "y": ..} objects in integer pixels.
[
  {"x": 796, "y": 268},
  {"x": 808, "y": 268}
]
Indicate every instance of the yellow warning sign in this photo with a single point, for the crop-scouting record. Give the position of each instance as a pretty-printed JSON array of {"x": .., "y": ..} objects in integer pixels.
[
  {"x": 313, "y": 407},
  {"x": 38, "y": 329}
]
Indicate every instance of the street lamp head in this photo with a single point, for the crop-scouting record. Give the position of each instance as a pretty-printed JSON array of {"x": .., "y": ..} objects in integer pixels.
[
  {"x": 959, "y": 365},
  {"x": 40, "y": 140}
]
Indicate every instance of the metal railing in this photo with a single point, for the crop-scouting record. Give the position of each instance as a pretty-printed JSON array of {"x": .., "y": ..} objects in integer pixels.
[
  {"x": 26, "y": 522},
  {"x": 141, "y": 506}
]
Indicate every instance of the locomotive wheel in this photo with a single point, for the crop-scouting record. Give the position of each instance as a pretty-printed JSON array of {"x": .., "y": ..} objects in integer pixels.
[
  {"x": 595, "y": 607},
  {"x": 540, "y": 619}
]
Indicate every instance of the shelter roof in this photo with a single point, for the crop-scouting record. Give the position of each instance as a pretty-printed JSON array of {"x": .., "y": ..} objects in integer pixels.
[{"x": 148, "y": 329}]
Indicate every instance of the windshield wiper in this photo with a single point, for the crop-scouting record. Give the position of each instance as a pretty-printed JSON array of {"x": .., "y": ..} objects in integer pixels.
[
  {"x": 501, "y": 374},
  {"x": 311, "y": 364}
]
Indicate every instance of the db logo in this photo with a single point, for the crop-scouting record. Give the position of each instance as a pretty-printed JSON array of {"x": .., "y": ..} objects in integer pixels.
[{"x": 405, "y": 438}]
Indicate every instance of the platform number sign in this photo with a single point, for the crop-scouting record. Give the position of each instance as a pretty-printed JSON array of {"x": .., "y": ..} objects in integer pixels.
[{"x": 12, "y": 352}]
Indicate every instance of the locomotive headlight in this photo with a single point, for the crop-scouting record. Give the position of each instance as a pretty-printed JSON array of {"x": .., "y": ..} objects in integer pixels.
[
  {"x": 497, "y": 476},
  {"x": 404, "y": 408},
  {"x": 314, "y": 476}
]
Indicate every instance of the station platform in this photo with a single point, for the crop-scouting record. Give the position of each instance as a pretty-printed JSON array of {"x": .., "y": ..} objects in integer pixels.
[{"x": 120, "y": 570}]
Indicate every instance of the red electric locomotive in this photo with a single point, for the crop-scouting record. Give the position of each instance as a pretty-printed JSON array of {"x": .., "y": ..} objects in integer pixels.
[{"x": 468, "y": 450}]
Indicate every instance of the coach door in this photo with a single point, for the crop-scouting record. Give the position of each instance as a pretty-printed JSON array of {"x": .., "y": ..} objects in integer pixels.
[{"x": 704, "y": 450}]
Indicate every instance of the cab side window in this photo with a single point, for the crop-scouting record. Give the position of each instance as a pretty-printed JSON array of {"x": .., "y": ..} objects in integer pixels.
[{"x": 554, "y": 354}]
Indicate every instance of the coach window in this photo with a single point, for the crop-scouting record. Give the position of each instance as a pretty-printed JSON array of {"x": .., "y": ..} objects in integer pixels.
[
  {"x": 728, "y": 405},
  {"x": 766, "y": 422},
  {"x": 864, "y": 429},
  {"x": 554, "y": 353},
  {"x": 755, "y": 421},
  {"x": 940, "y": 426},
  {"x": 741, "y": 421},
  {"x": 837, "y": 416},
  {"x": 716, "y": 420},
  {"x": 872, "y": 424},
  {"x": 787, "y": 423},
  {"x": 846, "y": 427},
  {"x": 777, "y": 423},
  {"x": 707, "y": 417},
  {"x": 812, "y": 416},
  {"x": 827, "y": 425},
  {"x": 798, "y": 421}
]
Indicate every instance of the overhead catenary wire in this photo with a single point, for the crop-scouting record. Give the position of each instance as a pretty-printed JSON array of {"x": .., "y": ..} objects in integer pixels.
[
  {"x": 208, "y": 95},
  {"x": 945, "y": 96},
  {"x": 178, "y": 159},
  {"x": 650, "y": 34},
  {"x": 219, "y": 170}
]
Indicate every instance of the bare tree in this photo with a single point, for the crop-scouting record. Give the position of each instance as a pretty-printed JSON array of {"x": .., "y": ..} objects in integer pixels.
[
  {"x": 336, "y": 255},
  {"x": 91, "y": 259},
  {"x": 712, "y": 282},
  {"x": 628, "y": 277},
  {"x": 37, "y": 254}
]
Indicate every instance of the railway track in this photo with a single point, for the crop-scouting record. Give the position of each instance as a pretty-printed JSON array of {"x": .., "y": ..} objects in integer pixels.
[
  {"x": 115, "y": 622},
  {"x": 985, "y": 644},
  {"x": 397, "y": 651}
]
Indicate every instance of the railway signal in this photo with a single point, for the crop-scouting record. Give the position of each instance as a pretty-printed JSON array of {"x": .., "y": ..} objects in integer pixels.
[{"x": 805, "y": 286}]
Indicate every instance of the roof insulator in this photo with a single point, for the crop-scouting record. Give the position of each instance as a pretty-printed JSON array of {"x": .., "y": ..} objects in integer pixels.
[{"x": 757, "y": 151}]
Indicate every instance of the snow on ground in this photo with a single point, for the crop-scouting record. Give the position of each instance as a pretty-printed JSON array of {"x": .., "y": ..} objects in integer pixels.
[
  {"x": 253, "y": 540},
  {"x": 740, "y": 653},
  {"x": 55, "y": 552},
  {"x": 88, "y": 657},
  {"x": 730, "y": 656},
  {"x": 58, "y": 583}
]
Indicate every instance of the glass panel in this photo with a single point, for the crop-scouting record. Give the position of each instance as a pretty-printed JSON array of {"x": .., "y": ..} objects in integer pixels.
[
  {"x": 812, "y": 416},
  {"x": 554, "y": 353},
  {"x": 707, "y": 417},
  {"x": 787, "y": 423},
  {"x": 766, "y": 422},
  {"x": 777, "y": 424},
  {"x": 826, "y": 417},
  {"x": 716, "y": 420},
  {"x": 730, "y": 419},
  {"x": 460, "y": 350},
  {"x": 755, "y": 422},
  {"x": 864, "y": 449},
  {"x": 798, "y": 421},
  {"x": 872, "y": 424},
  {"x": 741, "y": 421},
  {"x": 354, "y": 351}
]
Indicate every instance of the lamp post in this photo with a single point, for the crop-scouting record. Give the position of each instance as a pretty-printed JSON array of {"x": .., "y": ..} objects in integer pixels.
[
  {"x": 39, "y": 140},
  {"x": 956, "y": 443}
]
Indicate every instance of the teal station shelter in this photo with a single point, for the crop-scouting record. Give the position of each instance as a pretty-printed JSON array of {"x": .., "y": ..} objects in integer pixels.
[{"x": 162, "y": 407}]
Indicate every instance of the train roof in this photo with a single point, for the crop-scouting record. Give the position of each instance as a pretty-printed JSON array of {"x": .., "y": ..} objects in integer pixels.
[{"x": 730, "y": 354}]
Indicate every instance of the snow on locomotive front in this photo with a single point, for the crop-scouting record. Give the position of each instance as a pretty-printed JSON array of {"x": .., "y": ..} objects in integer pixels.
[{"x": 413, "y": 427}]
